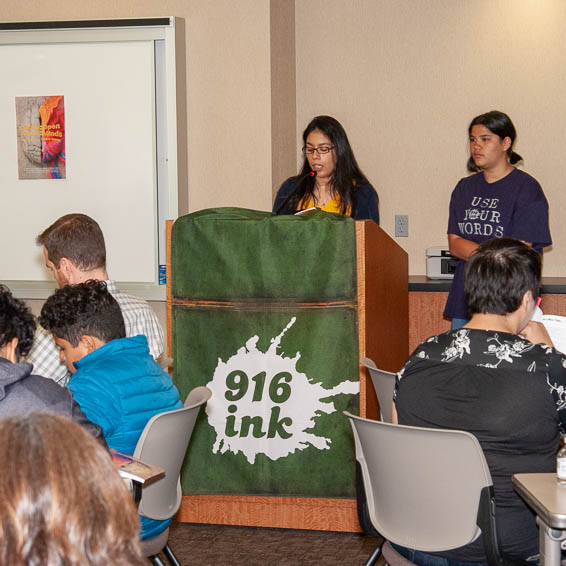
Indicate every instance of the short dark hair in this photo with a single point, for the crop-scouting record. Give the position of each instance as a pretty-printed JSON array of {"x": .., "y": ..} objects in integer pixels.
[
  {"x": 16, "y": 321},
  {"x": 501, "y": 125},
  {"x": 499, "y": 273},
  {"x": 78, "y": 238},
  {"x": 84, "y": 309}
]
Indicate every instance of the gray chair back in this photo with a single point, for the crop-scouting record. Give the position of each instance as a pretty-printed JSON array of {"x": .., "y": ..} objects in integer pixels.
[
  {"x": 164, "y": 442},
  {"x": 384, "y": 385},
  {"x": 423, "y": 485}
]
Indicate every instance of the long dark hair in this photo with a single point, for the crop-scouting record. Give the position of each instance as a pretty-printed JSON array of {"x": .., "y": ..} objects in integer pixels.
[
  {"x": 61, "y": 499},
  {"x": 500, "y": 124},
  {"x": 346, "y": 175}
]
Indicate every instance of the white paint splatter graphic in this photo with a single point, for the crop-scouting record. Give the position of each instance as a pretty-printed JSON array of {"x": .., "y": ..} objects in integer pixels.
[{"x": 262, "y": 404}]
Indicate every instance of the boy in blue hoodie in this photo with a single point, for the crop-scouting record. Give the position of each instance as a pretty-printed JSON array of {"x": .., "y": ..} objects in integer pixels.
[{"x": 117, "y": 383}]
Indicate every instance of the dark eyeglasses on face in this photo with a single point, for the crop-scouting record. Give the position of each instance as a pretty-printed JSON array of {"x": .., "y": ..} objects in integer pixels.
[{"x": 320, "y": 150}]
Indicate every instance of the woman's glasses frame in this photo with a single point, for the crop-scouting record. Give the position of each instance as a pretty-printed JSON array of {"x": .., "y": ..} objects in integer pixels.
[{"x": 320, "y": 150}]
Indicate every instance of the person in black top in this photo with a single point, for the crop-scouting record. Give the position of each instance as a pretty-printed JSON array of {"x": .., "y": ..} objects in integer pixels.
[
  {"x": 500, "y": 378},
  {"x": 330, "y": 178}
]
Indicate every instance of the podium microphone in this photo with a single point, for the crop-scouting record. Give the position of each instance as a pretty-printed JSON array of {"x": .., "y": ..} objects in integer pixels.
[{"x": 299, "y": 180}]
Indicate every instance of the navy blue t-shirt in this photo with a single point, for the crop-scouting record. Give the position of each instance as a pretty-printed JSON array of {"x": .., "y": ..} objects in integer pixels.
[{"x": 514, "y": 206}]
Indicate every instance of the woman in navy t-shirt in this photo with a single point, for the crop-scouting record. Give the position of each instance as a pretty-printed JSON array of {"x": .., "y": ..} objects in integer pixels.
[{"x": 499, "y": 200}]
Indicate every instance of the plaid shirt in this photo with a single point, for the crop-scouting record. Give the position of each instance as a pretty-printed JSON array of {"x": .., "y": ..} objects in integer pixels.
[{"x": 139, "y": 318}]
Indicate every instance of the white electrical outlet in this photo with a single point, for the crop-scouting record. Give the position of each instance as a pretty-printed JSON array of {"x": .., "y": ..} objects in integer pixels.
[{"x": 401, "y": 226}]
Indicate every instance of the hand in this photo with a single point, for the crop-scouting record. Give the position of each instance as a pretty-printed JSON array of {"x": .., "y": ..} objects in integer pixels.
[{"x": 536, "y": 333}]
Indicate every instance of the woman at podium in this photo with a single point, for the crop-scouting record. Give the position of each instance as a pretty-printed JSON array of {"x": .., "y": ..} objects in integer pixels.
[
  {"x": 330, "y": 178},
  {"x": 499, "y": 200}
]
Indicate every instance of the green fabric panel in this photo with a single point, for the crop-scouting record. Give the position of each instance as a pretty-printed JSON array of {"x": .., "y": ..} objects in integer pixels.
[
  {"x": 327, "y": 341},
  {"x": 267, "y": 266},
  {"x": 229, "y": 253}
]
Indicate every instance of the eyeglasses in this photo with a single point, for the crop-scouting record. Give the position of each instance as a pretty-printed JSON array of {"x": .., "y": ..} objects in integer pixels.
[{"x": 320, "y": 150}]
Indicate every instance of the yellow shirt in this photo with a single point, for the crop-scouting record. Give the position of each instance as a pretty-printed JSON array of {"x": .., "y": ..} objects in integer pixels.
[{"x": 334, "y": 205}]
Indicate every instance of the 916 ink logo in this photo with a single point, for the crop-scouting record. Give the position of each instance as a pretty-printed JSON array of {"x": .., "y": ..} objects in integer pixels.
[{"x": 262, "y": 404}]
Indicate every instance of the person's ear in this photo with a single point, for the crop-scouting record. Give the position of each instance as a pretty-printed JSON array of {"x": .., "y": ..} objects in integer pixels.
[
  {"x": 90, "y": 343},
  {"x": 67, "y": 268},
  {"x": 506, "y": 143},
  {"x": 528, "y": 301},
  {"x": 9, "y": 350}
]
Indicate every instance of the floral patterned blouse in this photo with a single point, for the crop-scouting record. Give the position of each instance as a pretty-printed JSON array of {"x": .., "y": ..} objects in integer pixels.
[{"x": 509, "y": 393}]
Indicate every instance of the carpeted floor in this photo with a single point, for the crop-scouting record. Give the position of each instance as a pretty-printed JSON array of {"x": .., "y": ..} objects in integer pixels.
[{"x": 218, "y": 545}]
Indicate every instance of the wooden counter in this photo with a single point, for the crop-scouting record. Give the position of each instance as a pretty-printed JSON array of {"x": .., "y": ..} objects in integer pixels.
[{"x": 428, "y": 296}]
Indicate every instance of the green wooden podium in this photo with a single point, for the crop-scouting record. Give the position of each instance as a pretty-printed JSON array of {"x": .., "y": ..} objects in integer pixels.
[{"x": 273, "y": 314}]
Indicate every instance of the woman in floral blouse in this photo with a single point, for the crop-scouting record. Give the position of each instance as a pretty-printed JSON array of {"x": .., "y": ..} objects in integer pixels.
[{"x": 500, "y": 378}]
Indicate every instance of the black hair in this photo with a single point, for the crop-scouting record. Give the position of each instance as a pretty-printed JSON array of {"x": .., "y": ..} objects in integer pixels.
[
  {"x": 499, "y": 273},
  {"x": 84, "y": 309},
  {"x": 346, "y": 175},
  {"x": 499, "y": 124},
  {"x": 16, "y": 321}
]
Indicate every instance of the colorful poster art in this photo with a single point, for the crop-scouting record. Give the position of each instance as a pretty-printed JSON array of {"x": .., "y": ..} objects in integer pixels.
[{"x": 40, "y": 124}]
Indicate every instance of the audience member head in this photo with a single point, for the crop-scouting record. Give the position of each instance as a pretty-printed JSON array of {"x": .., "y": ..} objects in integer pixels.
[
  {"x": 82, "y": 318},
  {"x": 74, "y": 249},
  {"x": 62, "y": 503},
  {"x": 500, "y": 275},
  {"x": 501, "y": 125},
  {"x": 17, "y": 326}
]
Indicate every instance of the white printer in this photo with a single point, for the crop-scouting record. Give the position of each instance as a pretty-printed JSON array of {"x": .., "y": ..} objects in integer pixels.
[{"x": 440, "y": 264}]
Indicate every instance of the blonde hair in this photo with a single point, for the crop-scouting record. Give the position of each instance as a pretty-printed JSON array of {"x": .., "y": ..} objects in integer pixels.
[{"x": 62, "y": 503}]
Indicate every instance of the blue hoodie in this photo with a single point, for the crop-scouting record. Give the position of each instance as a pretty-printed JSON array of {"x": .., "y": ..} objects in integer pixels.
[{"x": 120, "y": 387}]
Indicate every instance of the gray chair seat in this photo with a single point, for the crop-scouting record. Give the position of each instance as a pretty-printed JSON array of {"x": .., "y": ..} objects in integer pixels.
[
  {"x": 427, "y": 489},
  {"x": 164, "y": 442}
]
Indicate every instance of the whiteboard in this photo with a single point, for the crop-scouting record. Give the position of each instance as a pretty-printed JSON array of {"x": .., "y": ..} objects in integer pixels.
[{"x": 109, "y": 88}]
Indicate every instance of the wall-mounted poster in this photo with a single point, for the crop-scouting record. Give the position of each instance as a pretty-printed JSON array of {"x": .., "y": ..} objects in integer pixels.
[{"x": 40, "y": 124}]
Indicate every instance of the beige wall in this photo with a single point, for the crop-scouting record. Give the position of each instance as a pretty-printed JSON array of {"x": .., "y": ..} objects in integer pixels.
[
  {"x": 405, "y": 78},
  {"x": 283, "y": 91},
  {"x": 228, "y": 91},
  {"x": 228, "y": 88}
]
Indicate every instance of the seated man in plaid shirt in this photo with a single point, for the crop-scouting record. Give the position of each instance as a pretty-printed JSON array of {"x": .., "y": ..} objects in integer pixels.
[{"x": 75, "y": 252}]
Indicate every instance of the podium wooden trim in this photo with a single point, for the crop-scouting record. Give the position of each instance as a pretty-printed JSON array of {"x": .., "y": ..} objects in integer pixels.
[
  {"x": 383, "y": 307},
  {"x": 383, "y": 335},
  {"x": 315, "y": 513}
]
